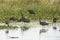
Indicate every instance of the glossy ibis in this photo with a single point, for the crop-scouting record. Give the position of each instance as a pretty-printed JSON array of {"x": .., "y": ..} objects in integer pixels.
[
  {"x": 43, "y": 23},
  {"x": 25, "y": 20},
  {"x": 31, "y": 11},
  {"x": 54, "y": 23},
  {"x": 54, "y": 20},
  {"x": 12, "y": 18}
]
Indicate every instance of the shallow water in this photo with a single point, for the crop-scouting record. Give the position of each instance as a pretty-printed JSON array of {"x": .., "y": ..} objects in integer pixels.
[{"x": 31, "y": 34}]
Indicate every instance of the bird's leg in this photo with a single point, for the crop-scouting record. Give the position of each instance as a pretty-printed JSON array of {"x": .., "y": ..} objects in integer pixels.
[{"x": 54, "y": 26}]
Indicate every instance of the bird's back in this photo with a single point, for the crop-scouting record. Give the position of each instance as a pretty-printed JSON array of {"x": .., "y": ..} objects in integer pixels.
[{"x": 43, "y": 23}]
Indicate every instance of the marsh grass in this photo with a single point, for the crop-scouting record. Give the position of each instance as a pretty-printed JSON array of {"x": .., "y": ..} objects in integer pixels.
[{"x": 15, "y": 8}]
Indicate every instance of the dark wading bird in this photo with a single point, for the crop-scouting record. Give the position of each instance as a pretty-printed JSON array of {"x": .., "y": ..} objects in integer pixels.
[
  {"x": 54, "y": 22},
  {"x": 7, "y": 23},
  {"x": 23, "y": 19},
  {"x": 31, "y": 11},
  {"x": 14, "y": 19},
  {"x": 43, "y": 23}
]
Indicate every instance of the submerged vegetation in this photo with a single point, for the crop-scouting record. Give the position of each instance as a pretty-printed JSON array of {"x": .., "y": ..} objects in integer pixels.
[{"x": 42, "y": 9}]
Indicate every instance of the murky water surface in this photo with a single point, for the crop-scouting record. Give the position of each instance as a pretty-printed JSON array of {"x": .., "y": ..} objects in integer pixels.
[{"x": 33, "y": 33}]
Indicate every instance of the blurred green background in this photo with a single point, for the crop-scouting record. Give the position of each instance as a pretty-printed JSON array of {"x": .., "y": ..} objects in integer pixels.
[{"x": 44, "y": 9}]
